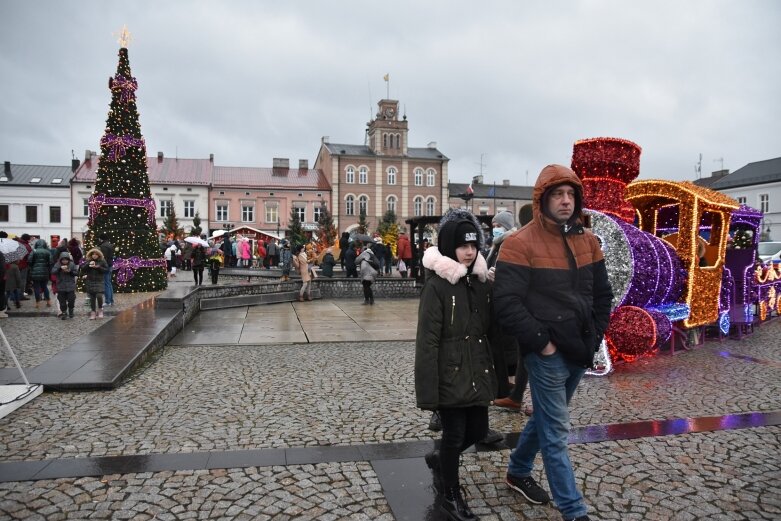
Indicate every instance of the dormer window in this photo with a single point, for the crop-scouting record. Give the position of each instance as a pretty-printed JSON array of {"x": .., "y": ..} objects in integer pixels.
[
  {"x": 3, "y": 179},
  {"x": 35, "y": 180},
  {"x": 57, "y": 181}
]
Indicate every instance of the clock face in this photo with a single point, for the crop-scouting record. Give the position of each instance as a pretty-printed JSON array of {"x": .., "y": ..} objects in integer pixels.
[{"x": 389, "y": 112}]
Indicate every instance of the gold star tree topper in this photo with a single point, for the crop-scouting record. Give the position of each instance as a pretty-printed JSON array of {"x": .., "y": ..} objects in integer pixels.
[{"x": 124, "y": 37}]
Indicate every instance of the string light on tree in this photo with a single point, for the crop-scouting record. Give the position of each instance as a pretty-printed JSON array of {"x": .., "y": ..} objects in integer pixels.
[{"x": 122, "y": 188}]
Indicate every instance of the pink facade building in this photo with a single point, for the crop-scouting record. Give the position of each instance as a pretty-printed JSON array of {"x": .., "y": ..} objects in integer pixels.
[{"x": 263, "y": 198}]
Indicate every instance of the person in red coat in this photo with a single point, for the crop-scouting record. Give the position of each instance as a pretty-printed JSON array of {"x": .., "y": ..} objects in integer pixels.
[{"x": 404, "y": 252}]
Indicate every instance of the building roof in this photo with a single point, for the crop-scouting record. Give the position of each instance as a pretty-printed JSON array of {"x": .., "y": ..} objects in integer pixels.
[
  {"x": 166, "y": 171},
  {"x": 363, "y": 150},
  {"x": 279, "y": 178},
  {"x": 486, "y": 191},
  {"x": 759, "y": 172},
  {"x": 36, "y": 175}
]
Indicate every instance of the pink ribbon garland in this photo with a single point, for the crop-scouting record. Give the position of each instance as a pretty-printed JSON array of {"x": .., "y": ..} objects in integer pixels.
[
  {"x": 126, "y": 268},
  {"x": 117, "y": 146},
  {"x": 96, "y": 201},
  {"x": 126, "y": 87}
]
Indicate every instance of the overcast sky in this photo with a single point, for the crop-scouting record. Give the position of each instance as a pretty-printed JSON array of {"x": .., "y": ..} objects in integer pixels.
[{"x": 516, "y": 82}]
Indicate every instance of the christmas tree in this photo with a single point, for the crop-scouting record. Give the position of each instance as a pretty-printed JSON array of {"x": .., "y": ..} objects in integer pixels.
[
  {"x": 196, "y": 229},
  {"x": 121, "y": 205},
  {"x": 363, "y": 224},
  {"x": 296, "y": 230},
  {"x": 326, "y": 231},
  {"x": 389, "y": 230},
  {"x": 171, "y": 228}
]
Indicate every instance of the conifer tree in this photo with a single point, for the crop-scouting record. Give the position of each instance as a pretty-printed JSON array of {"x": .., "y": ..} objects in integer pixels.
[
  {"x": 296, "y": 231},
  {"x": 389, "y": 230},
  {"x": 171, "y": 227},
  {"x": 196, "y": 229},
  {"x": 326, "y": 230},
  {"x": 363, "y": 224},
  {"x": 121, "y": 205}
]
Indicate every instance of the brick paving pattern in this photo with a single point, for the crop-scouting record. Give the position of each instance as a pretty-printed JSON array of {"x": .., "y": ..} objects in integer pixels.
[{"x": 232, "y": 397}]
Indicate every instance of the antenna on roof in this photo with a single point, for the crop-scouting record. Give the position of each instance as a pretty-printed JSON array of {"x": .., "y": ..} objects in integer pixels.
[
  {"x": 721, "y": 160},
  {"x": 369, "y": 85},
  {"x": 73, "y": 156},
  {"x": 698, "y": 167}
]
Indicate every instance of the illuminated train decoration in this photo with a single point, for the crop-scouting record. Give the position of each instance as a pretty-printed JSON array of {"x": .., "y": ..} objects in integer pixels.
[{"x": 665, "y": 246}]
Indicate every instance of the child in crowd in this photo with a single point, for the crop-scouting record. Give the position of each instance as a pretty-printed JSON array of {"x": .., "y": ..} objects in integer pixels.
[
  {"x": 66, "y": 272},
  {"x": 13, "y": 283},
  {"x": 93, "y": 271},
  {"x": 454, "y": 371}
]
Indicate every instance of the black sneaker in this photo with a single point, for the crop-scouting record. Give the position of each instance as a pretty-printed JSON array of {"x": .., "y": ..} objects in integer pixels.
[{"x": 528, "y": 488}]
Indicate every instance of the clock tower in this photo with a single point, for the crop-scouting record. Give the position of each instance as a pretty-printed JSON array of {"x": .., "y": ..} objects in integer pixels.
[{"x": 387, "y": 135}]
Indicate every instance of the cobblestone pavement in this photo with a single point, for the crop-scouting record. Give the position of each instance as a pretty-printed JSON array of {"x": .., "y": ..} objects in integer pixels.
[
  {"x": 37, "y": 335},
  {"x": 228, "y": 397}
]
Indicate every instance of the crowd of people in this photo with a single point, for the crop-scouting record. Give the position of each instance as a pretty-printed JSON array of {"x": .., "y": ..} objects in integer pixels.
[{"x": 44, "y": 270}]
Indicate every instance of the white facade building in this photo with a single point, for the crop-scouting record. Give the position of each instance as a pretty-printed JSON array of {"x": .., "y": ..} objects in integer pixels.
[
  {"x": 35, "y": 199},
  {"x": 179, "y": 183},
  {"x": 757, "y": 185}
]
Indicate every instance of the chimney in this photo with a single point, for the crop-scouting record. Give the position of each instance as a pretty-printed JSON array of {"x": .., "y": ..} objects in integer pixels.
[
  {"x": 432, "y": 144},
  {"x": 281, "y": 162},
  {"x": 478, "y": 179},
  {"x": 87, "y": 155},
  {"x": 211, "y": 158},
  {"x": 303, "y": 164},
  {"x": 74, "y": 164},
  {"x": 325, "y": 139},
  {"x": 159, "y": 157},
  {"x": 718, "y": 174},
  {"x": 505, "y": 182},
  {"x": 7, "y": 169}
]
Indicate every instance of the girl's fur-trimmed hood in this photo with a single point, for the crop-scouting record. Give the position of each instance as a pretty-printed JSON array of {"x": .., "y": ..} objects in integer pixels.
[{"x": 451, "y": 270}]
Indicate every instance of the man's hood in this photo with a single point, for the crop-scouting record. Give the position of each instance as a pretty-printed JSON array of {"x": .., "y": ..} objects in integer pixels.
[{"x": 550, "y": 177}]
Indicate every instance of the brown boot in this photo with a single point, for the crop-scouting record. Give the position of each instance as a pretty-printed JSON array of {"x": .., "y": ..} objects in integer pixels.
[{"x": 300, "y": 298}]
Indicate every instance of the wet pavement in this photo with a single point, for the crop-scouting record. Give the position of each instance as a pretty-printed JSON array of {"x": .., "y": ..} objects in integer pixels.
[{"x": 306, "y": 411}]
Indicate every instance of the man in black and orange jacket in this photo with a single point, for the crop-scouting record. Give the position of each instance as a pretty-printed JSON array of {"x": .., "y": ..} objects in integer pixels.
[{"x": 552, "y": 293}]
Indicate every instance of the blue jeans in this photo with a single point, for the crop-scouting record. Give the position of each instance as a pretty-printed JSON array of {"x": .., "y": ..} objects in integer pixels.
[
  {"x": 107, "y": 287},
  {"x": 552, "y": 381}
]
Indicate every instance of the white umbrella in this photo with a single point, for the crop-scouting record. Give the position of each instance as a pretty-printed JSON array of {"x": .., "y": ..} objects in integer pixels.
[
  {"x": 12, "y": 250},
  {"x": 218, "y": 233},
  {"x": 196, "y": 240}
]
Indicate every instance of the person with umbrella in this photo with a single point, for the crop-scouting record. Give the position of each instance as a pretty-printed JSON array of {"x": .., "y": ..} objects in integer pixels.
[
  {"x": 367, "y": 261},
  {"x": 198, "y": 261}
]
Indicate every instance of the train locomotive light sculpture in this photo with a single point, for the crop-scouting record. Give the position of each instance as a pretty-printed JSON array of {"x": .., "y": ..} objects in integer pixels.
[{"x": 664, "y": 245}]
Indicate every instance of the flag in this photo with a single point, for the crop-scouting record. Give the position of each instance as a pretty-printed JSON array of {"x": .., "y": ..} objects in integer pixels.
[
  {"x": 492, "y": 191},
  {"x": 386, "y": 77},
  {"x": 470, "y": 190}
]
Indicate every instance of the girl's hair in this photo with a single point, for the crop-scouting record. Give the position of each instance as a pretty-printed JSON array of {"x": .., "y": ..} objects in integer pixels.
[{"x": 298, "y": 248}]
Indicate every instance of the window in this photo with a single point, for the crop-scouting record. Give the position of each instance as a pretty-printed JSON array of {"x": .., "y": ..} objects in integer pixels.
[
  {"x": 363, "y": 175},
  {"x": 300, "y": 213},
  {"x": 35, "y": 180},
  {"x": 4, "y": 213},
  {"x": 363, "y": 204},
  {"x": 418, "y": 177},
  {"x": 417, "y": 206},
  {"x": 391, "y": 176},
  {"x": 165, "y": 207},
  {"x": 349, "y": 205},
  {"x": 392, "y": 204},
  {"x": 189, "y": 209},
  {"x": 318, "y": 211},
  {"x": 764, "y": 203},
  {"x": 741, "y": 200},
  {"x": 55, "y": 214},
  {"x": 31, "y": 213},
  {"x": 430, "y": 203},
  {"x": 350, "y": 176},
  {"x": 398, "y": 140},
  {"x": 272, "y": 213},
  {"x": 431, "y": 177},
  {"x": 483, "y": 210},
  {"x": 385, "y": 141},
  {"x": 247, "y": 213},
  {"x": 85, "y": 207},
  {"x": 222, "y": 211},
  {"x": 57, "y": 181}
]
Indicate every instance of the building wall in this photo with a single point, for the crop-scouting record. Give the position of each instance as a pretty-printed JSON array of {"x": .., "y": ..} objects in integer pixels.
[
  {"x": 752, "y": 196},
  {"x": 42, "y": 198},
  {"x": 489, "y": 206},
  {"x": 285, "y": 199},
  {"x": 81, "y": 192}
]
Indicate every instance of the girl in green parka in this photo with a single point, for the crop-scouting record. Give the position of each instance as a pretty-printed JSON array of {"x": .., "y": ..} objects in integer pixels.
[{"x": 454, "y": 372}]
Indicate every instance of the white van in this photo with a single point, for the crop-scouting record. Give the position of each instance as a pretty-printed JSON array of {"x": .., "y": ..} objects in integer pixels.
[{"x": 769, "y": 252}]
